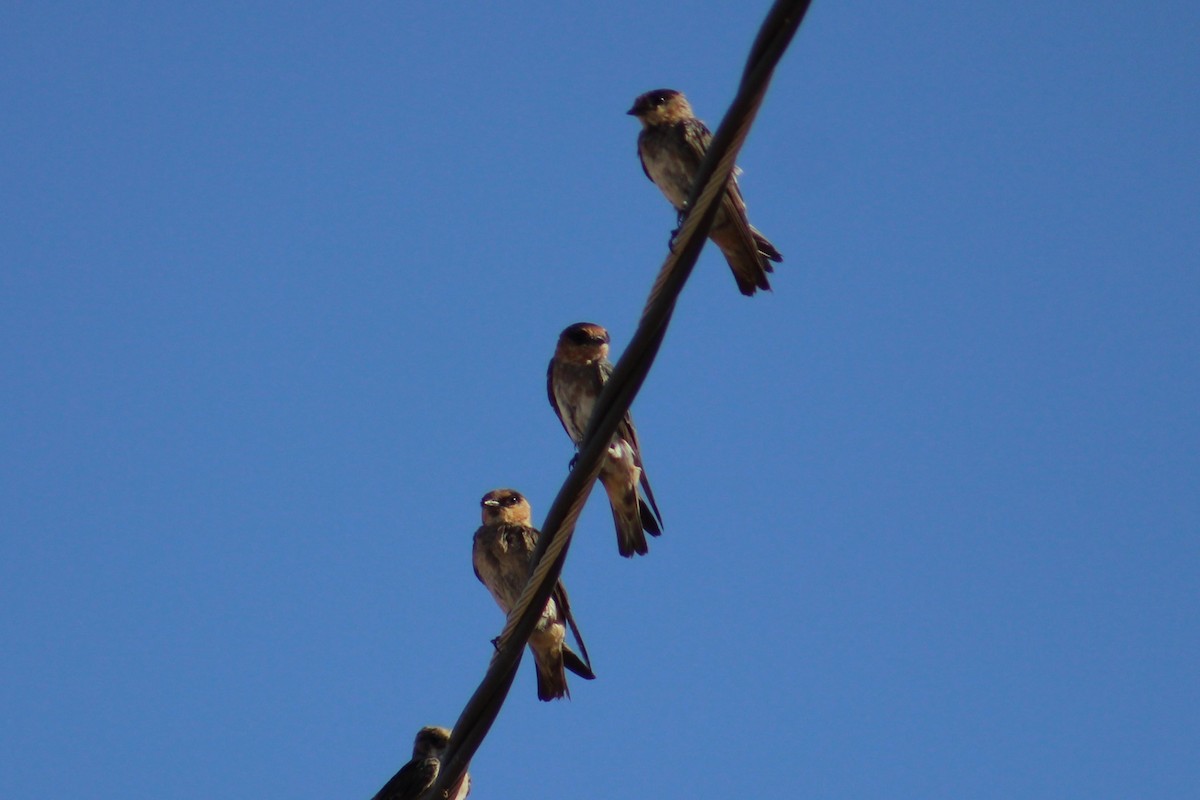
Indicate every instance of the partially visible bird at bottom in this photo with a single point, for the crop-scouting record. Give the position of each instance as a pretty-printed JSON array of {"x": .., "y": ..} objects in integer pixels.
[
  {"x": 671, "y": 145},
  {"x": 501, "y": 556},
  {"x": 419, "y": 774},
  {"x": 574, "y": 380}
]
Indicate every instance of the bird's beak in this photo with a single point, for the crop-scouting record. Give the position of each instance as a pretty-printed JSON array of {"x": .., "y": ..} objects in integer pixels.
[{"x": 632, "y": 112}]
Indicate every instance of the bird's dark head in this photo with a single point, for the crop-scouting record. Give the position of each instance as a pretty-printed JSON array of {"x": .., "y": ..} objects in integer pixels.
[
  {"x": 505, "y": 506},
  {"x": 431, "y": 741},
  {"x": 660, "y": 106},
  {"x": 582, "y": 342}
]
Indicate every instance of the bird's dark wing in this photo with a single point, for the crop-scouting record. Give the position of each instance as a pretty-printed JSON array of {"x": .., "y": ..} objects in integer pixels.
[
  {"x": 697, "y": 137},
  {"x": 411, "y": 781},
  {"x": 559, "y": 595},
  {"x": 627, "y": 431},
  {"x": 641, "y": 159},
  {"x": 550, "y": 394},
  {"x": 474, "y": 551},
  {"x": 564, "y": 606}
]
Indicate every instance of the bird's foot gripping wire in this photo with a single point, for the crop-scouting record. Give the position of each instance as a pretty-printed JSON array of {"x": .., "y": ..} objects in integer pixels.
[
  {"x": 680, "y": 216},
  {"x": 574, "y": 460}
]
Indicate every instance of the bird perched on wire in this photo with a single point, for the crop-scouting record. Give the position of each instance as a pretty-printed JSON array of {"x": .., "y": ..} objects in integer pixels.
[
  {"x": 577, "y": 373},
  {"x": 501, "y": 556},
  {"x": 419, "y": 774},
  {"x": 671, "y": 145}
]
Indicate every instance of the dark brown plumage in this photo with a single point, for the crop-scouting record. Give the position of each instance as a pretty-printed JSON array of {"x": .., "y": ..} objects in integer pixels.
[
  {"x": 419, "y": 774},
  {"x": 500, "y": 554},
  {"x": 574, "y": 380},
  {"x": 671, "y": 146}
]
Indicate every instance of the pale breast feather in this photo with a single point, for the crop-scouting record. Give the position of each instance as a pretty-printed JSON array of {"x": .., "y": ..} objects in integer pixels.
[
  {"x": 574, "y": 405},
  {"x": 584, "y": 403},
  {"x": 671, "y": 178}
]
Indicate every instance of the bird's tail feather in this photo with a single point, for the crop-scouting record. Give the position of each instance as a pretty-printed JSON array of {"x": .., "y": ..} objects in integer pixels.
[
  {"x": 766, "y": 249},
  {"x": 551, "y": 678},
  {"x": 748, "y": 252},
  {"x": 627, "y": 515},
  {"x": 749, "y": 266}
]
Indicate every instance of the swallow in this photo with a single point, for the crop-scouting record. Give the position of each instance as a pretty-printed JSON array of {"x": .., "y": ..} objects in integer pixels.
[
  {"x": 671, "y": 146},
  {"x": 419, "y": 774},
  {"x": 501, "y": 557},
  {"x": 577, "y": 373}
]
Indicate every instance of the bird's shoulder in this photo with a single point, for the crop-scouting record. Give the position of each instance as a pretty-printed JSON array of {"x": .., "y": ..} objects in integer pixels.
[{"x": 696, "y": 135}]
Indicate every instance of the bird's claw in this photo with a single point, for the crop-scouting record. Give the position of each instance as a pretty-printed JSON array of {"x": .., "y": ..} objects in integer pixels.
[
  {"x": 574, "y": 459},
  {"x": 496, "y": 643}
]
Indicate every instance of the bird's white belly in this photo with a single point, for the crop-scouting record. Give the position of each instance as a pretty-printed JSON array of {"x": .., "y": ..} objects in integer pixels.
[
  {"x": 673, "y": 181},
  {"x": 576, "y": 411}
]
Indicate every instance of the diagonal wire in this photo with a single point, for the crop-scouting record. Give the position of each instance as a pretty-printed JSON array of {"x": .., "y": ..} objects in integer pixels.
[{"x": 708, "y": 187}]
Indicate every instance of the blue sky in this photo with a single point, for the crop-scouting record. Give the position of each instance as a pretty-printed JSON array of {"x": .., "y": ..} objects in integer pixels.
[{"x": 278, "y": 290}]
